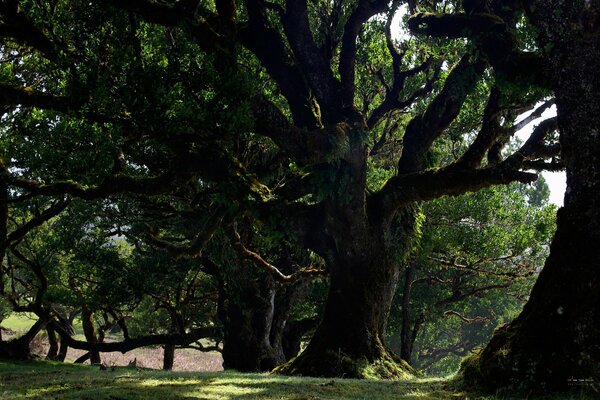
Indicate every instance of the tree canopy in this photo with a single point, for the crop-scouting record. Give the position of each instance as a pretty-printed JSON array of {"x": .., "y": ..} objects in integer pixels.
[{"x": 190, "y": 141}]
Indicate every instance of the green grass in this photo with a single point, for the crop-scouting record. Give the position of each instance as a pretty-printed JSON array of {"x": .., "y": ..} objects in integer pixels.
[
  {"x": 48, "y": 380},
  {"x": 21, "y": 322}
]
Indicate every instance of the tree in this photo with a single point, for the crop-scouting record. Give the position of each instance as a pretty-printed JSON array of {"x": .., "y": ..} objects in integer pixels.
[
  {"x": 555, "y": 338},
  {"x": 24, "y": 284},
  {"x": 476, "y": 262},
  {"x": 313, "y": 107}
]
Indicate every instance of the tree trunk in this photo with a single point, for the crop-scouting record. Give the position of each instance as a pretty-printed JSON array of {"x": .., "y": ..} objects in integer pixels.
[
  {"x": 407, "y": 335},
  {"x": 53, "y": 344},
  {"x": 168, "y": 357},
  {"x": 557, "y": 336},
  {"x": 19, "y": 348},
  {"x": 89, "y": 330},
  {"x": 294, "y": 333},
  {"x": 62, "y": 351},
  {"x": 247, "y": 342},
  {"x": 255, "y": 313},
  {"x": 349, "y": 342}
]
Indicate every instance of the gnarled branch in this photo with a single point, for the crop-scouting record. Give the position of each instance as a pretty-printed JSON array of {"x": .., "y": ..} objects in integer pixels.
[{"x": 272, "y": 270}]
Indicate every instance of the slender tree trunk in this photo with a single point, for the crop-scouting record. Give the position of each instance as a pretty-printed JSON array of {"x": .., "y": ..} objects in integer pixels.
[
  {"x": 557, "y": 336},
  {"x": 53, "y": 344},
  {"x": 89, "y": 330},
  {"x": 406, "y": 343},
  {"x": 83, "y": 358},
  {"x": 168, "y": 357},
  {"x": 62, "y": 351}
]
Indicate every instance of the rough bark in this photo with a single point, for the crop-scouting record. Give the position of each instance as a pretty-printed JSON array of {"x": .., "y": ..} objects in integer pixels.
[
  {"x": 557, "y": 336},
  {"x": 362, "y": 251},
  {"x": 349, "y": 341},
  {"x": 249, "y": 329}
]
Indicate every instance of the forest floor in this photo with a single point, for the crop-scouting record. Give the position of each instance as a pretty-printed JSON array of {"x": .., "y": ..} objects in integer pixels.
[
  {"x": 52, "y": 380},
  {"x": 203, "y": 379}
]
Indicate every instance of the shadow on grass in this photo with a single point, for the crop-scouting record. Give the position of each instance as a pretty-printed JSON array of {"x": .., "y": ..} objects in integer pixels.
[{"x": 47, "y": 380}]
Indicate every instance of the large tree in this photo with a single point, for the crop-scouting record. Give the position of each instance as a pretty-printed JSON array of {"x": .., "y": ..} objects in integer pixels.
[
  {"x": 555, "y": 339},
  {"x": 327, "y": 113}
]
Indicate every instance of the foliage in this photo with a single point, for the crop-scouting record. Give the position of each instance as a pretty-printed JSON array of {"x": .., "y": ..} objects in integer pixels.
[
  {"x": 478, "y": 258},
  {"x": 180, "y": 150}
]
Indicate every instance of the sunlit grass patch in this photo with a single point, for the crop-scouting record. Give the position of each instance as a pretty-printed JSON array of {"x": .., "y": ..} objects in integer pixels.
[
  {"x": 50, "y": 380},
  {"x": 19, "y": 322}
]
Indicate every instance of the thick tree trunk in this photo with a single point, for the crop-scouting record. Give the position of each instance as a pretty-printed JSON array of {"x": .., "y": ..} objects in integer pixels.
[
  {"x": 349, "y": 342},
  {"x": 557, "y": 336},
  {"x": 247, "y": 338},
  {"x": 255, "y": 313}
]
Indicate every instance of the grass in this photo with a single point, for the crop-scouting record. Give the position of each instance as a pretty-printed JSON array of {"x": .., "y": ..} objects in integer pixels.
[
  {"x": 21, "y": 322},
  {"x": 48, "y": 380}
]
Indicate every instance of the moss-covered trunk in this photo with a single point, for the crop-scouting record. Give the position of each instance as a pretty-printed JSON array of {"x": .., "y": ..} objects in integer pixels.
[
  {"x": 364, "y": 269},
  {"x": 557, "y": 336},
  {"x": 349, "y": 341}
]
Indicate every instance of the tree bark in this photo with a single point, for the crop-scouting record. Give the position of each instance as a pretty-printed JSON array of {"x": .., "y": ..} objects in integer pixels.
[
  {"x": 168, "y": 357},
  {"x": 349, "y": 341},
  {"x": 247, "y": 344},
  {"x": 62, "y": 351},
  {"x": 89, "y": 330},
  {"x": 406, "y": 334},
  {"x": 53, "y": 344},
  {"x": 556, "y": 338}
]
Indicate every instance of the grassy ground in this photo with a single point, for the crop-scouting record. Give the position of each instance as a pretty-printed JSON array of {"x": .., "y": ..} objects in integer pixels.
[
  {"x": 18, "y": 322},
  {"x": 21, "y": 322},
  {"x": 47, "y": 380}
]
